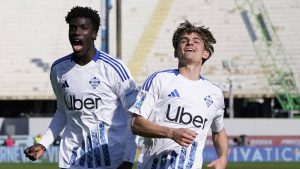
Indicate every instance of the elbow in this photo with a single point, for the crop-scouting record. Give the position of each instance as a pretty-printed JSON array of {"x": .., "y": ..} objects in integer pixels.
[
  {"x": 134, "y": 130},
  {"x": 134, "y": 126}
]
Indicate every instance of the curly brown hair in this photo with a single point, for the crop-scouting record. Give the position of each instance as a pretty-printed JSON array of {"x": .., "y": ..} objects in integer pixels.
[{"x": 204, "y": 34}]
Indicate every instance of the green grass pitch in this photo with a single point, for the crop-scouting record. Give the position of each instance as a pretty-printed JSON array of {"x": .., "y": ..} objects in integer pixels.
[{"x": 241, "y": 165}]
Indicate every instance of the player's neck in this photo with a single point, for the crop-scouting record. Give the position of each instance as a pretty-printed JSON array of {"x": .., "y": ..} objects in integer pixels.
[
  {"x": 86, "y": 58},
  {"x": 190, "y": 72}
]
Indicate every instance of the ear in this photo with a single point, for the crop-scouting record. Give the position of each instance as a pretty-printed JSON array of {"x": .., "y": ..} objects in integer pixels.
[
  {"x": 94, "y": 36},
  {"x": 205, "y": 54}
]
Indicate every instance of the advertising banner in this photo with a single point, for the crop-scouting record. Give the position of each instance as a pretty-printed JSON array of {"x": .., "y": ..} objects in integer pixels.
[
  {"x": 16, "y": 155},
  {"x": 235, "y": 154},
  {"x": 257, "y": 154}
]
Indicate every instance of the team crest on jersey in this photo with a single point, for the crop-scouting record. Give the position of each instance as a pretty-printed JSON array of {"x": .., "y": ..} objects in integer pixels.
[
  {"x": 94, "y": 82},
  {"x": 208, "y": 100}
]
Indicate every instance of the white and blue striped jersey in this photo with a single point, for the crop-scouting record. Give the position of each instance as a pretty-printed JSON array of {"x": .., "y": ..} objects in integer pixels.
[
  {"x": 169, "y": 99},
  {"x": 92, "y": 104}
]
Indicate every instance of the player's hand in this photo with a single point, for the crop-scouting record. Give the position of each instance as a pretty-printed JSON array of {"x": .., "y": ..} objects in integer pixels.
[
  {"x": 183, "y": 136},
  {"x": 218, "y": 164},
  {"x": 34, "y": 152},
  {"x": 125, "y": 165}
]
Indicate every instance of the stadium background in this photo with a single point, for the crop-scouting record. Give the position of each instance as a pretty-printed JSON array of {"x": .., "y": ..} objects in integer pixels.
[{"x": 256, "y": 63}]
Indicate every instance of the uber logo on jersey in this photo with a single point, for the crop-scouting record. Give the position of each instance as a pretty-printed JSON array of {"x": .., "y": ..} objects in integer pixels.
[
  {"x": 73, "y": 103},
  {"x": 183, "y": 117}
]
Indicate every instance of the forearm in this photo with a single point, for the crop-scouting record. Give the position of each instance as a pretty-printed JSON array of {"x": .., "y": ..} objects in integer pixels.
[
  {"x": 220, "y": 141},
  {"x": 146, "y": 128}
]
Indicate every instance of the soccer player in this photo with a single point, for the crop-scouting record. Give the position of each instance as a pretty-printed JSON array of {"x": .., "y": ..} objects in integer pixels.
[
  {"x": 94, "y": 92},
  {"x": 175, "y": 109}
]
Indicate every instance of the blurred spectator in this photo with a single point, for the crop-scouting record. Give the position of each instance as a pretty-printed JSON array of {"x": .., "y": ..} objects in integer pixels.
[
  {"x": 9, "y": 142},
  {"x": 240, "y": 141}
]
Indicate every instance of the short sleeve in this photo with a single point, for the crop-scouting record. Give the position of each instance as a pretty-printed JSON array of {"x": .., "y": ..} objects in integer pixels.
[
  {"x": 147, "y": 97},
  {"x": 217, "y": 123},
  {"x": 123, "y": 84}
]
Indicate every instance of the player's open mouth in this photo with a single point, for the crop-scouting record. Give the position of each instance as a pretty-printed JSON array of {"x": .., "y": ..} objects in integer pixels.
[
  {"x": 77, "y": 45},
  {"x": 189, "y": 50}
]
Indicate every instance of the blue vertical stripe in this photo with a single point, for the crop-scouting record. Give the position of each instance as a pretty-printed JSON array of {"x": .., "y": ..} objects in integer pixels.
[
  {"x": 163, "y": 161},
  {"x": 82, "y": 154},
  {"x": 104, "y": 145},
  {"x": 154, "y": 163},
  {"x": 181, "y": 158},
  {"x": 90, "y": 160},
  {"x": 173, "y": 159},
  {"x": 106, "y": 155},
  {"x": 192, "y": 155},
  {"x": 96, "y": 148},
  {"x": 73, "y": 156}
]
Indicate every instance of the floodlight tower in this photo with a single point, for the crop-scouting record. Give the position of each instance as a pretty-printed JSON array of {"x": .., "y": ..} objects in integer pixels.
[{"x": 272, "y": 54}]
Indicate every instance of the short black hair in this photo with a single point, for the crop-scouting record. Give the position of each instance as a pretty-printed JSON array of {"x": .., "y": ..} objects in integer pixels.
[{"x": 87, "y": 12}]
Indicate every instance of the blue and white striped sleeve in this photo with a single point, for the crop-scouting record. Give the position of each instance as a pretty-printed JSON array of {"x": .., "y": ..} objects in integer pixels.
[{"x": 147, "y": 97}]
